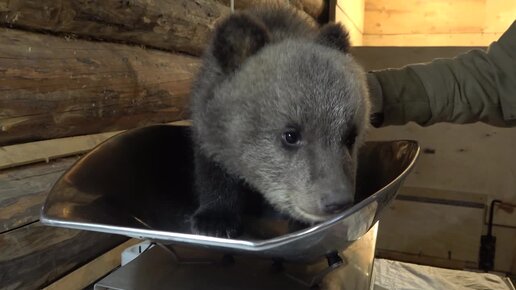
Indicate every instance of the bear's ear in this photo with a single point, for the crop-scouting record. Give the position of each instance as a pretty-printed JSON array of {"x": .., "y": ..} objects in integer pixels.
[
  {"x": 334, "y": 35},
  {"x": 237, "y": 38}
]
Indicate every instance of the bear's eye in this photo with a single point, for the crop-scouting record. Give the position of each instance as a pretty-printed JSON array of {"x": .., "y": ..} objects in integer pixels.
[
  {"x": 291, "y": 137},
  {"x": 350, "y": 137}
]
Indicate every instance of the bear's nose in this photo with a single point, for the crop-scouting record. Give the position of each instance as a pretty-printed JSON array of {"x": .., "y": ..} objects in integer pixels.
[{"x": 336, "y": 207}]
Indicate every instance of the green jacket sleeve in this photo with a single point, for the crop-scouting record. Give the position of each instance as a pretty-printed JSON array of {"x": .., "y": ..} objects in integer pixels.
[{"x": 475, "y": 86}]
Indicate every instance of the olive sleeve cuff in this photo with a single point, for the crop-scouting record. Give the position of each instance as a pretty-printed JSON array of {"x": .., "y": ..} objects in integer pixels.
[{"x": 404, "y": 97}]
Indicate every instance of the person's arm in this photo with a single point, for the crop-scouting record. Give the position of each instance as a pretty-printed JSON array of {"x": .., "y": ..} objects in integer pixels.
[{"x": 475, "y": 86}]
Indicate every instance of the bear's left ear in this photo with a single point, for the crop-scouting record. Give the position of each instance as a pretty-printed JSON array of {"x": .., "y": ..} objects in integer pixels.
[
  {"x": 237, "y": 38},
  {"x": 335, "y": 36}
]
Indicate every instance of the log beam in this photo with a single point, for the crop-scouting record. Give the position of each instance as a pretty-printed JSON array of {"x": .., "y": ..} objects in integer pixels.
[
  {"x": 36, "y": 255},
  {"x": 51, "y": 87},
  {"x": 23, "y": 191},
  {"x": 315, "y": 8},
  {"x": 179, "y": 25}
]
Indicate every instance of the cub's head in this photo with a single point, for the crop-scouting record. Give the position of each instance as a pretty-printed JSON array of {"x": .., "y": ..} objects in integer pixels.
[{"x": 285, "y": 116}]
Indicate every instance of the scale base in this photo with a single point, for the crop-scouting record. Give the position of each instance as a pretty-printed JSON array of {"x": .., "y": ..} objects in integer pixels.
[{"x": 159, "y": 268}]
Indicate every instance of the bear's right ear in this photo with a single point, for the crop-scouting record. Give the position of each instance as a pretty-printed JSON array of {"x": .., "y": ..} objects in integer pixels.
[
  {"x": 236, "y": 39},
  {"x": 334, "y": 35}
]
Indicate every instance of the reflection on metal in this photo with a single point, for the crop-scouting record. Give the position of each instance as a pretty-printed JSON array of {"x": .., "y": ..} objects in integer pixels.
[
  {"x": 138, "y": 184},
  {"x": 195, "y": 268}
]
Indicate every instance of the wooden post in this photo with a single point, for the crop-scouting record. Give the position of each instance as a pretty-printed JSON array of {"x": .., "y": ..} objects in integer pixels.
[{"x": 52, "y": 87}]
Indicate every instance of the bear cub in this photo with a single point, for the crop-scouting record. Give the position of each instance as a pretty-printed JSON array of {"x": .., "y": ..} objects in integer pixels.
[{"x": 280, "y": 108}]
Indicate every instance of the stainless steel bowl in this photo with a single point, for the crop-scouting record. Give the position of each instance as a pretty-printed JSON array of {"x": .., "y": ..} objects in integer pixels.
[{"x": 139, "y": 183}]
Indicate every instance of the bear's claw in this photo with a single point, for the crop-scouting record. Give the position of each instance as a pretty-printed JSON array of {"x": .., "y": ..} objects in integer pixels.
[{"x": 216, "y": 223}]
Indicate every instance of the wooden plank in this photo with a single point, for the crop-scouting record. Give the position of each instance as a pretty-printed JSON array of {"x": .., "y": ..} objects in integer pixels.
[
  {"x": 451, "y": 39},
  {"x": 53, "y": 87},
  {"x": 504, "y": 258},
  {"x": 355, "y": 35},
  {"x": 445, "y": 196},
  {"x": 425, "y": 260},
  {"x": 424, "y": 17},
  {"x": 436, "y": 23},
  {"x": 27, "y": 153},
  {"x": 94, "y": 270},
  {"x": 435, "y": 224},
  {"x": 505, "y": 249},
  {"x": 182, "y": 25},
  {"x": 354, "y": 10},
  {"x": 504, "y": 215},
  {"x": 36, "y": 255},
  {"x": 374, "y": 58},
  {"x": 23, "y": 191},
  {"x": 499, "y": 15},
  {"x": 472, "y": 158}
]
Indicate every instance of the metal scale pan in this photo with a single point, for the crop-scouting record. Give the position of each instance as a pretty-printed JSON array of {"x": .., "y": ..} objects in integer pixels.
[{"x": 139, "y": 183}]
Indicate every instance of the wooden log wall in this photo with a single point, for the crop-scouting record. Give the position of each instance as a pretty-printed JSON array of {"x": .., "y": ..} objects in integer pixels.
[
  {"x": 34, "y": 255},
  {"x": 179, "y": 25},
  {"x": 23, "y": 191},
  {"x": 74, "y": 67},
  {"x": 53, "y": 87},
  {"x": 170, "y": 25}
]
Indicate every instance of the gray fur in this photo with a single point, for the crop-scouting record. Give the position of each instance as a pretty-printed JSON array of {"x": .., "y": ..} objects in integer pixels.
[{"x": 294, "y": 80}]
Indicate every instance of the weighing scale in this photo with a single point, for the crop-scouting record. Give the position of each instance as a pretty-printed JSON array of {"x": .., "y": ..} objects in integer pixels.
[{"x": 139, "y": 184}]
